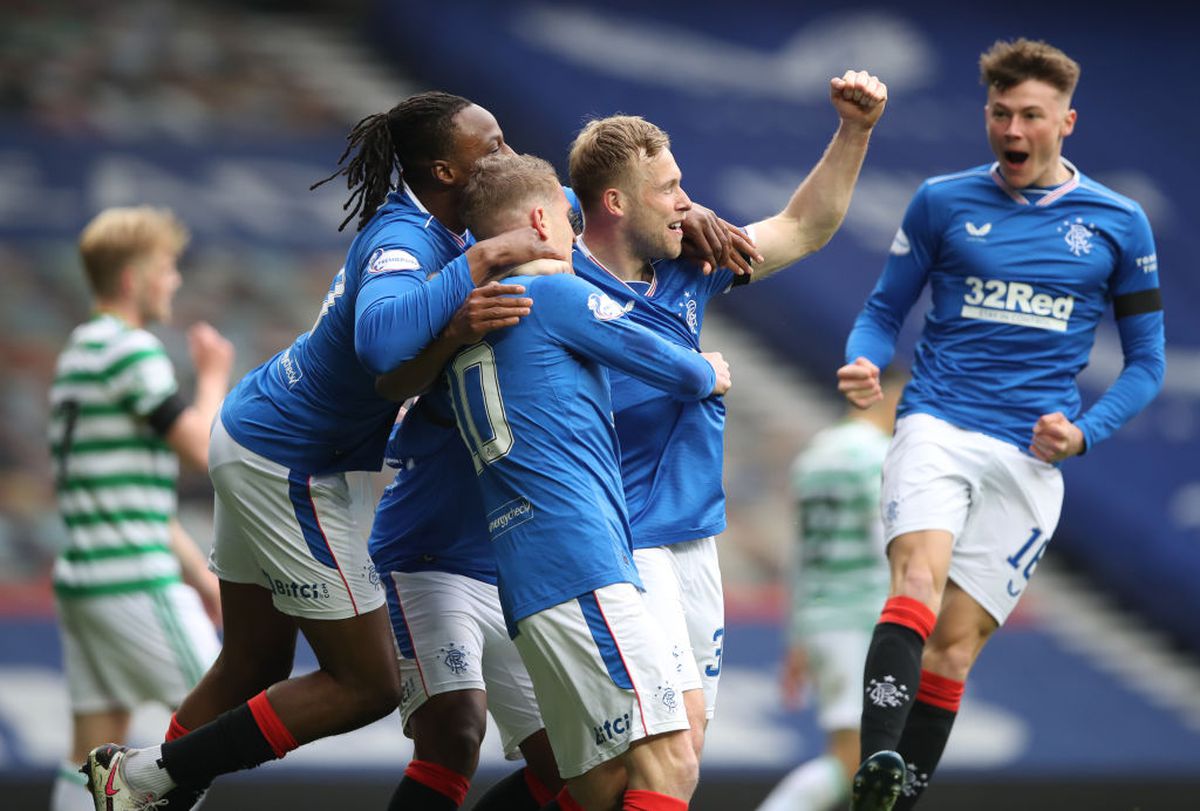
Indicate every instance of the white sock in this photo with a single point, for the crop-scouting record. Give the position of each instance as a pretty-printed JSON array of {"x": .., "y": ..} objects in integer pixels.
[
  {"x": 70, "y": 790},
  {"x": 142, "y": 772},
  {"x": 818, "y": 785}
]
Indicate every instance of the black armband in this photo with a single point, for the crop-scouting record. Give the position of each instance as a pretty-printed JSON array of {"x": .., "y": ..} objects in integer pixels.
[
  {"x": 1143, "y": 301},
  {"x": 741, "y": 278},
  {"x": 162, "y": 418}
]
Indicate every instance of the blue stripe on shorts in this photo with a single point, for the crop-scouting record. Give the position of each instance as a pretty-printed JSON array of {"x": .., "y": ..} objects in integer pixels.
[{"x": 609, "y": 652}]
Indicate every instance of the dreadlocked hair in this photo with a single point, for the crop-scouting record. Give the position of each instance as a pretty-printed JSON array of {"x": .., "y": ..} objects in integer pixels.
[{"x": 411, "y": 135}]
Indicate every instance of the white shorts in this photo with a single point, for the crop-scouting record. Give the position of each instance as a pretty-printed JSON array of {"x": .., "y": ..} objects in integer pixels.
[
  {"x": 122, "y": 650},
  {"x": 836, "y": 660},
  {"x": 298, "y": 535},
  {"x": 603, "y": 674},
  {"x": 1001, "y": 505},
  {"x": 684, "y": 595},
  {"x": 450, "y": 635}
]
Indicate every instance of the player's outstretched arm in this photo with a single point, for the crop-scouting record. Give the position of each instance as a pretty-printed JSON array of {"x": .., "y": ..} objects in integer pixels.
[
  {"x": 212, "y": 355},
  {"x": 819, "y": 204},
  {"x": 488, "y": 308}
]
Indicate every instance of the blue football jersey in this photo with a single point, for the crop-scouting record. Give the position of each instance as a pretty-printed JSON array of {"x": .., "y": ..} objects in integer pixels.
[
  {"x": 1019, "y": 281},
  {"x": 313, "y": 407},
  {"x": 672, "y": 451},
  {"x": 533, "y": 406},
  {"x": 430, "y": 517}
]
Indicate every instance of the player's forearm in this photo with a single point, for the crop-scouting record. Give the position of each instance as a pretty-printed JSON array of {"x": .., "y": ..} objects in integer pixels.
[
  {"x": 818, "y": 206},
  {"x": 873, "y": 336},
  {"x": 192, "y": 565},
  {"x": 419, "y": 374},
  {"x": 1138, "y": 384},
  {"x": 211, "y": 389},
  {"x": 679, "y": 372},
  {"x": 391, "y": 329}
]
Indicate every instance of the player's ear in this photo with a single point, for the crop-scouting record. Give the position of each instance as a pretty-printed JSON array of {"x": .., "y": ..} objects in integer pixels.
[
  {"x": 442, "y": 172},
  {"x": 614, "y": 202},
  {"x": 540, "y": 221},
  {"x": 1069, "y": 123}
]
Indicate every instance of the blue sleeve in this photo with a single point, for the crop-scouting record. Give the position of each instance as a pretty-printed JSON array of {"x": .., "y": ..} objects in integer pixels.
[
  {"x": 582, "y": 318},
  {"x": 1137, "y": 305},
  {"x": 398, "y": 314},
  {"x": 910, "y": 258}
]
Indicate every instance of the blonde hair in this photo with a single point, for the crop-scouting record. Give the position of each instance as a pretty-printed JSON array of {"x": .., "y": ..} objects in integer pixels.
[
  {"x": 117, "y": 236},
  {"x": 1006, "y": 64},
  {"x": 500, "y": 186},
  {"x": 607, "y": 150}
]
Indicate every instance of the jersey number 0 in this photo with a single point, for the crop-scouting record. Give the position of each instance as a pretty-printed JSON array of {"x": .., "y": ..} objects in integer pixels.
[{"x": 476, "y": 383}]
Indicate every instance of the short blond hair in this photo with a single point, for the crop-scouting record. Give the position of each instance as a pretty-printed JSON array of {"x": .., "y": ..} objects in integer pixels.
[
  {"x": 501, "y": 187},
  {"x": 117, "y": 236},
  {"x": 1008, "y": 63},
  {"x": 608, "y": 150}
]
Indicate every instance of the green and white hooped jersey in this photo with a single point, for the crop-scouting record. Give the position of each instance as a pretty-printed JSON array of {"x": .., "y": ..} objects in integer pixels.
[
  {"x": 841, "y": 575},
  {"x": 115, "y": 475}
]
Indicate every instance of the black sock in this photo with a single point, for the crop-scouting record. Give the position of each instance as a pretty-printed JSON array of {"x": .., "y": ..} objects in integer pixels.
[
  {"x": 510, "y": 794},
  {"x": 413, "y": 795},
  {"x": 921, "y": 746},
  {"x": 890, "y": 679},
  {"x": 231, "y": 743}
]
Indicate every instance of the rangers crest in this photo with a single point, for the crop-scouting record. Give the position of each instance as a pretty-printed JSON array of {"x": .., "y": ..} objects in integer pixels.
[
  {"x": 454, "y": 658},
  {"x": 887, "y": 693},
  {"x": 1077, "y": 236}
]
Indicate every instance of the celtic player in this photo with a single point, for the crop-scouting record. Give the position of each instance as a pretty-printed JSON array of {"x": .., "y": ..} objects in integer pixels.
[
  {"x": 132, "y": 631},
  {"x": 840, "y": 579}
]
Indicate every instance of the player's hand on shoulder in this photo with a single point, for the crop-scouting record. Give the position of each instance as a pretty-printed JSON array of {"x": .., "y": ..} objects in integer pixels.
[
  {"x": 858, "y": 97},
  {"x": 859, "y": 383},
  {"x": 1055, "y": 438},
  {"x": 212, "y": 353},
  {"x": 491, "y": 307},
  {"x": 717, "y": 361},
  {"x": 711, "y": 242},
  {"x": 496, "y": 256}
]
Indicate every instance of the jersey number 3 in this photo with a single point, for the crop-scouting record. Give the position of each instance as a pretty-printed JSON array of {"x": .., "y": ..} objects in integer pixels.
[{"x": 479, "y": 405}]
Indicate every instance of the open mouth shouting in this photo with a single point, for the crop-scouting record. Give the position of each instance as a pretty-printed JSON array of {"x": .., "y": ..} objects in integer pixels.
[{"x": 1015, "y": 159}]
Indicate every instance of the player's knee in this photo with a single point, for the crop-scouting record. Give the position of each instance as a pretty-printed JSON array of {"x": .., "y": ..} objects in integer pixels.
[
  {"x": 918, "y": 582},
  {"x": 952, "y": 660},
  {"x": 249, "y": 674},
  {"x": 672, "y": 766},
  {"x": 453, "y": 746},
  {"x": 685, "y": 769},
  {"x": 370, "y": 699}
]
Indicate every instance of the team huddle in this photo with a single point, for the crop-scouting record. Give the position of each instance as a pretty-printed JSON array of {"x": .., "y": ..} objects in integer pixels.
[{"x": 527, "y": 356}]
